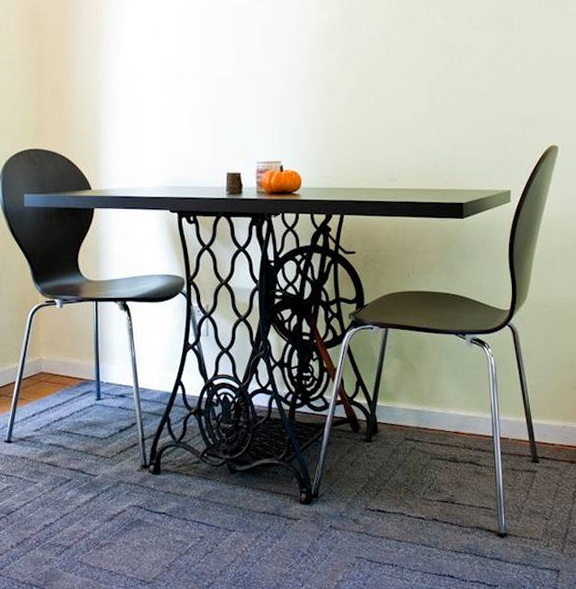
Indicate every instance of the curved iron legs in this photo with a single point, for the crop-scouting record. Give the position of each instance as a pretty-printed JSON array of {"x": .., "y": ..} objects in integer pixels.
[{"x": 290, "y": 312}]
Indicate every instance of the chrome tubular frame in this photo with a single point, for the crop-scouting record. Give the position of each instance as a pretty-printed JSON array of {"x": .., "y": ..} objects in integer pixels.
[
  {"x": 495, "y": 413},
  {"x": 136, "y": 389},
  {"x": 21, "y": 364},
  {"x": 524, "y": 387},
  {"x": 97, "y": 352},
  {"x": 333, "y": 401},
  {"x": 372, "y": 425}
]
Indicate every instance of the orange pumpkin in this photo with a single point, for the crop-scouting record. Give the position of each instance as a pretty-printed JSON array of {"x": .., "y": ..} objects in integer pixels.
[{"x": 281, "y": 181}]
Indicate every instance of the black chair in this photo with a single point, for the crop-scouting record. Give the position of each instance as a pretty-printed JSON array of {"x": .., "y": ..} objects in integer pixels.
[
  {"x": 447, "y": 313},
  {"x": 50, "y": 239}
]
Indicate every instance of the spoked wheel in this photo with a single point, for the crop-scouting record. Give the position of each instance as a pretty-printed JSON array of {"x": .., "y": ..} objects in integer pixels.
[
  {"x": 315, "y": 282},
  {"x": 316, "y": 288}
]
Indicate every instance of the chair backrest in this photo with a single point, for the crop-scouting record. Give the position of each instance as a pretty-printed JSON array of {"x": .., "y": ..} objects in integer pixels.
[
  {"x": 526, "y": 225},
  {"x": 50, "y": 239}
]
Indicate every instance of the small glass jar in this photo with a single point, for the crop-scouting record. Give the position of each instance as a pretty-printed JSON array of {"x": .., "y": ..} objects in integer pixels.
[{"x": 261, "y": 168}]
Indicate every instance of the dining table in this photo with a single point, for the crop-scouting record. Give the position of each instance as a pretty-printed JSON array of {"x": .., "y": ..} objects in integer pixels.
[{"x": 269, "y": 285}]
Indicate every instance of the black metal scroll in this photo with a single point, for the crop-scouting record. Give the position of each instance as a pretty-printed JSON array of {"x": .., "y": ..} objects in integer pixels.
[{"x": 268, "y": 296}]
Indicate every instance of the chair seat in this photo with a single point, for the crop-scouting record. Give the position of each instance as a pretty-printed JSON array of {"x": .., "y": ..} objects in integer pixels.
[
  {"x": 435, "y": 312},
  {"x": 151, "y": 288}
]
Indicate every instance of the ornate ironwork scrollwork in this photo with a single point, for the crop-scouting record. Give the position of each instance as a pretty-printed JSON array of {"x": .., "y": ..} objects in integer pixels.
[
  {"x": 225, "y": 417},
  {"x": 277, "y": 304}
]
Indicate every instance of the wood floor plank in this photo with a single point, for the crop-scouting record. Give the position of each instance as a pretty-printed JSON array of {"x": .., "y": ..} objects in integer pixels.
[{"x": 36, "y": 387}]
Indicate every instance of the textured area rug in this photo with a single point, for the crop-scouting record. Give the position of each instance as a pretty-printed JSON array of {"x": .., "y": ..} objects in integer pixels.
[{"x": 412, "y": 509}]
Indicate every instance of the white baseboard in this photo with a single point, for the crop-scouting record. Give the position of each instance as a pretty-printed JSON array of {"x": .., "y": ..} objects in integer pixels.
[
  {"x": 514, "y": 428},
  {"x": 548, "y": 432},
  {"x": 472, "y": 423},
  {"x": 72, "y": 368},
  {"x": 118, "y": 374},
  {"x": 8, "y": 375}
]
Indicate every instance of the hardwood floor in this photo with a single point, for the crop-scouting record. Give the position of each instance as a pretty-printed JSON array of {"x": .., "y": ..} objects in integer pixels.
[{"x": 35, "y": 387}]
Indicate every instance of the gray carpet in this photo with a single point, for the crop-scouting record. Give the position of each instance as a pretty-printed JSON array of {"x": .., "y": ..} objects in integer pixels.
[{"x": 413, "y": 509}]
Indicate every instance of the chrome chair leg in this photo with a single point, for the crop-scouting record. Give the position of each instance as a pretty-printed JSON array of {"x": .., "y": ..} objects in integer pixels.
[
  {"x": 97, "y": 352},
  {"x": 494, "y": 410},
  {"x": 524, "y": 387},
  {"x": 136, "y": 388},
  {"x": 373, "y": 425},
  {"x": 332, "y": 406},
  {"x": 21, "y": 365}
]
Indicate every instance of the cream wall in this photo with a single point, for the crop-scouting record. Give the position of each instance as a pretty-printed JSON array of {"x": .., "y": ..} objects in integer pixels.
[
  {"x": 19, "y": 128},
  {"x": 372, "y": 93}
]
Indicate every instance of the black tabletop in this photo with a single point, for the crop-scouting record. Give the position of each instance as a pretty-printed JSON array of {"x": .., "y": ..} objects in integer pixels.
[{"x": 395, "y": 202}]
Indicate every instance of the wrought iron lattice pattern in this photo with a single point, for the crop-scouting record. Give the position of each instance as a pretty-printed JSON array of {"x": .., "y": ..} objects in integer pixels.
[{"x": 268, "y": 296}]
